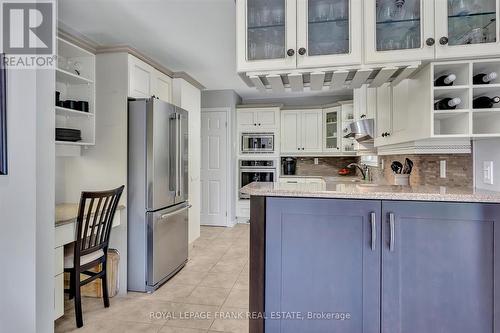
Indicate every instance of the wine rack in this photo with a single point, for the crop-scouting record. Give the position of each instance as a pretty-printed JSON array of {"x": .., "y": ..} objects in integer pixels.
[{"x": 465, "y": 120}]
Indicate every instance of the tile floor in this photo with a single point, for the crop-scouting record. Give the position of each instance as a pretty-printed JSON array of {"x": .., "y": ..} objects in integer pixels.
[{"x": 209, "y": 295}]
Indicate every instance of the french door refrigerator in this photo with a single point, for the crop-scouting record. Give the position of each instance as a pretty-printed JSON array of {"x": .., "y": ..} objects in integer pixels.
[{"x": 157, "y": 192}]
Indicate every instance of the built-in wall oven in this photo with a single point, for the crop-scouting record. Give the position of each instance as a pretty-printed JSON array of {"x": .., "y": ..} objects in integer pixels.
[
  {"x": 252, "y": 143},
  {"x": 256, "y": 171}
]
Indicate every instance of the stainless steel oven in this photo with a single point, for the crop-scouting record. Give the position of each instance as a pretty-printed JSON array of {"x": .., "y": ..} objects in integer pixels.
[
  {"x": 256, "y": 171},
  {"x": 257, "y": 143}
]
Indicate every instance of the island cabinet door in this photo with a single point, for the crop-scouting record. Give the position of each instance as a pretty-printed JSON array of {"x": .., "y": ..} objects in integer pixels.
[
  {"x": 322, "y": 266},
  {"x": 440, "y": 267}
]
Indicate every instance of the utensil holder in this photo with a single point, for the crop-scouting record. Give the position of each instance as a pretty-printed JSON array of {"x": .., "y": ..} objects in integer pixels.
[{"x": 403, "y": 180}]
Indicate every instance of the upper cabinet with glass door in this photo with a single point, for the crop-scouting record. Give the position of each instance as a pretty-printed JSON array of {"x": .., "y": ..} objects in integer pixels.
[
  {"x": 399, "y": 30},
  {"x": 328, "y": 32},
  {"x": 466, "y": 28},
  {"x": 266, "y": 34}
]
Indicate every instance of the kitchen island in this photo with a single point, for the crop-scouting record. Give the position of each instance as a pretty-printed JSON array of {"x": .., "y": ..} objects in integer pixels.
[{"x": 356, "y": 257}]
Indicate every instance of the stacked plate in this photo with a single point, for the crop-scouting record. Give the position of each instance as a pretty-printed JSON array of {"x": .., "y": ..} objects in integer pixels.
[{"x": 68, "y": 134}]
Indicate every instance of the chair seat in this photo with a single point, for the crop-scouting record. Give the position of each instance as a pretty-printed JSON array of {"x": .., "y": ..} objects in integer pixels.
[{"x": 69, "y": 253}]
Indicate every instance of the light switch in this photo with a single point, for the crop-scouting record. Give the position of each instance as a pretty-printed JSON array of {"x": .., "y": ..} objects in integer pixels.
[
  {"x": 488, "y": 172},
  {"x": 442, "y": 169}
]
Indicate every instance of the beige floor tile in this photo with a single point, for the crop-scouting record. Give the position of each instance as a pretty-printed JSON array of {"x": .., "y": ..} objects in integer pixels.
[
  {"x": 237, "y": 299},
  {"x": 206, "y": 296},
  {"x": 192, "y": 316},
  {"x": 226, "y": 267},
  {"x": 114, "y": 326},
  {"x": 219, "y": 280},
  {"x": 171, "y": 292},
  {"x": 188, "y": 277},
  {"x": 201, "y": 263},
  {"x": 232, "y": 320},
  {"x": 242, "y": 283},
  {"x": 169, "y": 329}
]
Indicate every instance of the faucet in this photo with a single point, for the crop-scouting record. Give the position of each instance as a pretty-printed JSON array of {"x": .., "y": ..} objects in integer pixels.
[{"x": 362, "y": 168}]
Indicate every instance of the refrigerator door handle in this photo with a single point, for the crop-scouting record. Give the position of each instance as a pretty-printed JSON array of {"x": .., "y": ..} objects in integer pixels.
[
  {"x": 178, "y": 155},
  {"x": 172, "y": 158},
  {"x": 166, "y": 216}
]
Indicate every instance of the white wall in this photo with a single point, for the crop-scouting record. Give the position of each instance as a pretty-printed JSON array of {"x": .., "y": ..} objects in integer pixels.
[
  {"x": 188, "y": 97},
  {"x": 27, "y": 205},
  {"x": 227, "y": 99},
  {"x": 487, "y": 150}
]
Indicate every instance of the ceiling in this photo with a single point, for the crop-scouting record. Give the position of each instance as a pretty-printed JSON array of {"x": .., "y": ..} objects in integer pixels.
[{"x": 195, "y": 36}]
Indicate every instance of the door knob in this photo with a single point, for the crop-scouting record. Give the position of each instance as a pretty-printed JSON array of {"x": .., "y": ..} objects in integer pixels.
[
  {"x": 302, "y": 51},
  {"x": 255, "y": 124},
  {"x": 443, "y": 40},
  {"x": 430, "y": 41},
  {"x": 290, "y": 52}
]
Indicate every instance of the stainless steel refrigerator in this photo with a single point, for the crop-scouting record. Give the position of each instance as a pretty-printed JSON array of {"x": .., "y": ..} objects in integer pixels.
[{"x": 157, "y": 192}]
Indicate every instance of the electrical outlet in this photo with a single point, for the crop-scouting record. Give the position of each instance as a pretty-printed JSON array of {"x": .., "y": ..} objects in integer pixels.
[
  {"x": 316, "y": 161},
  {"x": 442, "y": 169},
  {"x": 488, "y": 172}
]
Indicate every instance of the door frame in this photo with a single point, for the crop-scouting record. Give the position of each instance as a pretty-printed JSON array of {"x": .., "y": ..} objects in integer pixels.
[{"x": 230, "y": 210}]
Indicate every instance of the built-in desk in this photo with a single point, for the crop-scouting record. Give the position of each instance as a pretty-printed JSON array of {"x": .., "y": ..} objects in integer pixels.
[{"x": 65, "y": 233}]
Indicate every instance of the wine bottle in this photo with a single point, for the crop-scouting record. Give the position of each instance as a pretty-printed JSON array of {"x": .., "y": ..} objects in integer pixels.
[
  {"x": 485, "y": 102},
  {"x": 447, "y": 103},
  {"x": 445, "y": 80},
  {"x": 483, "y": 78}
]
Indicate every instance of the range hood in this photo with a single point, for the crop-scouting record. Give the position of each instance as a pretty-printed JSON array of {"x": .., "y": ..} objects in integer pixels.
[{"x": 362, "y": 130}]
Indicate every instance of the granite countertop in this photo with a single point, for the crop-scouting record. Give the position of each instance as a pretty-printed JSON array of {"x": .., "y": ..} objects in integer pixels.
[
  {"x": 68, "y": 212},
  {"x": 361, "y": 190}
]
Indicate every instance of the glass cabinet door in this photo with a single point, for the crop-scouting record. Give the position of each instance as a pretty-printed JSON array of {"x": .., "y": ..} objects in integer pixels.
[
  {"x": 399, "y": 30},
  {"x": 398, "y": 25},
  {"x": 331, "y": 130},
  {"x": 266, "y": 36},
  {"x": 328, "y": 27},
  {"x": 471, "y": 22},
  {"x": 328, "y": 31},
  {"x": 467, "y": 28}
]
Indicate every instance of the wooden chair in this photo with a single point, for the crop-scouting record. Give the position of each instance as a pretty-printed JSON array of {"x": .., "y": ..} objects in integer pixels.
[{"x": 90, "y": 249}]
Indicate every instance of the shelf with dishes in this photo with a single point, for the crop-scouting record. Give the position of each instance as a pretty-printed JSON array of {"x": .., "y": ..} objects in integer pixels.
[{"x": 75, "y": 96}]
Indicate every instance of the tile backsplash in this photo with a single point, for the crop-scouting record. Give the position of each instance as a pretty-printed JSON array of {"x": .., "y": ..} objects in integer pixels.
[
  {"x": 327, "y": 166},
  {"x": 426, "y": 169}
]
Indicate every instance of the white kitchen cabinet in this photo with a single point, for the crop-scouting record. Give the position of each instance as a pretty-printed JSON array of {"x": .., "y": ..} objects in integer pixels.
[
  {"x": 399, "y": 31},
  {"x": 332, "y": 121},
  {"x": 162, "y": 86},
  {"x": 328, "y": 32},
  {"x": 301, "y": 131},
  {"x": 384, "y": 110},
  {"x": 365, "y": 102},
  {"x": 266, "y": 33},
  {"x": 140, "y": 78},
  {"x": 316, "y": 184},
  {"x": 467, "y": 28},
  {"x": 288, "y": 34},
  {"x": 251, "y": 119},
  {"x": 146, "y": 81}
]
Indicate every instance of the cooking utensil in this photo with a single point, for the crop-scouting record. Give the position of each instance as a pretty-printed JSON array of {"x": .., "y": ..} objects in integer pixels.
[
  {"x": 408, "y": 166},
  {"x": 397, "y": 167}
]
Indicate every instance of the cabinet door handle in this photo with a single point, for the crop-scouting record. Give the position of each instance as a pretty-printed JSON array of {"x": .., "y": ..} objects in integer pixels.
[
  {"x": 392, "y": 232},
  {"x": 374, "y": 230},
  {"x": 290, "y": 52},
  {"x": 443, "y": 40},
  {"x": 430, "y": 41},
  {"x": 302, "y": 51}
]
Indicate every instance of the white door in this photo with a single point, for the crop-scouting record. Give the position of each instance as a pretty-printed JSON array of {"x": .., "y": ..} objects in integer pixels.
[
  {"x": 214, "y": 173},
  {"x": 266, "y": 34},
  {"x": 290, "y": 132},
  {"x": 312, "y": 131},
  {"x": 467, "y": 28},
  {"x": 399, "y": 31},
  {"x": 329, "y": 32}
]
